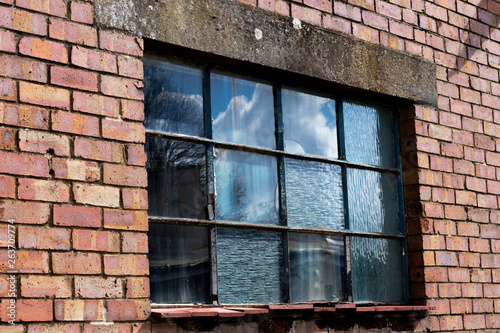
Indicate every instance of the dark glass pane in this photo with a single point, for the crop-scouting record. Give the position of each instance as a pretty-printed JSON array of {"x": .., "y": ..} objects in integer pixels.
[
  {"x": 247, "y": 187},
  {"x": 177, "y": 178},
  {"x": 250, "y": 266},
  {"x": 316, "y": 267},
  {"x": 369, "y": 135},
  {"x": 377, "y": 270},
  {"x": 314, "y": 196},
  {"x": 179, "y": 264},
  {"x": 173, "y": 98},
  {"x": 310, "y": 124},
  {"x": 373, "y": 201},
  {"x": 242, "y": 111}
]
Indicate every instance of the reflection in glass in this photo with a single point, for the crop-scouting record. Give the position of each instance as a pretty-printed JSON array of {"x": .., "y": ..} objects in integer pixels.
[
  {"x": 314, "y": 195},
  {"x": 310, "y": 124},
  {"x": 369, "y": 135},
  {"x": 250, "y": 266},
  {"x": 179, "y": 264},
  {"x": 242, "y": 111},
  {"x": 377, "y": 270},
  {"x": 316, "y": 267},
  {"x": 247, "y": 187},
  {"x": 373, "y": 201},
  {"x": 173, "y": 98},
  {"x": 177, "y": 178}
]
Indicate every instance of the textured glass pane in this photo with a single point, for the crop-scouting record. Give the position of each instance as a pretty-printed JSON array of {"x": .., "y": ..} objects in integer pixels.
[
  {"x": 369, "y": 137},
  {"x": 179, "y": 263},
  {"x": 316, "y": 267},
  {"x": 310, "y": 124},
  {"x": 250, "y": 266},
  {"x": 314, "y": 195},
  {"x": 247, "y": 187},
  {"x": 173, "y": 98},
  {"x": 242, "y": 111},
  {"x": 177, "y": 178},
  {"x": 377, "y": 270},
  {"x": 373, "y": 201}
]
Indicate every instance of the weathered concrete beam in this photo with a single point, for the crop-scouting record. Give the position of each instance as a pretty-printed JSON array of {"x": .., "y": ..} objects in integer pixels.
[{"x": 230, "y": 29}]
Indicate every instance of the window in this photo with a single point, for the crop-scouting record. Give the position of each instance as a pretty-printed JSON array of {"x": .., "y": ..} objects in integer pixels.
[{"x": 263, "y": 193}]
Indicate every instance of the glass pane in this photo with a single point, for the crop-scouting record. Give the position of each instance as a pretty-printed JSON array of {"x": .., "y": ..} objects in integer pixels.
[
  {"x": 247, "y": 187},
  {"x": 179, "y": 263},
  {"x": 310, "y": 124},
  {"x": 373, "y": 201},
  {"x": 314, "y": 196},
  {"x": 177, "y": 178},
  {"x": 250, "y": 266},
  {"x": 377, "y": 270},
  {"x": 242, "y": 111},
  {"x": 369, "y": 137},
  {"x": 173, "y": 98},
  {"x": 316, "y": 267}
]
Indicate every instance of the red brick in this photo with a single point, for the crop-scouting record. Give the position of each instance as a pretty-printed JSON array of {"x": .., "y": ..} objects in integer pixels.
[
  {"x": 479, "y": 245},
  {"x": 78, "y": 310},
  {"x": 463, "y": 167},
  {"x": 457, "y": 243},
  {"x": 455, "y": 212},
  {"x": 441, "y": 163},
  {"x": 433, "y": 210},
  {"x": 428, "y": 145},
  {"x": 441, "y": 306},
  {"x": 24, "y": 116},
  {"x": 98, "y": 150},
  {"x": 460, "y": 306},
  {"x": 54, "y": 328},
  {"x": 75, "y": 123},
  {"x": 336, "y": 23},
  {"x": 443, "y": 195},
  {"x": 7, "y": 138},
  {"x": 7, "y": 41},
  {"x": 490, "y": 231},
  {"x": 478, "y": 215},
  {"x": 26, "y": 261},
  {"x": 366, "y": 33},
  {"x": 92, "y": 59},
  {"x": 347, "y": 11},
  {"x": 134, "y": 242},
  {"x": 490, "y": 261},
  {"x": 492, "y": 290},
  {"x": 43, "y": 238},
  {"x": 367, "y": 4},
  {"x": 126, "y": 220},
  {"x": 52, "y": 7},
  {"x": 135, "y": 198},
  {"x": 72, "y": 32},
  {"x": 43, "y": 190},
  {"x": 97, "y": 287},
  {"x": 96, "y": 195},
  {"x": 487, "y": 201},
  {"x": 485, "y": 171},
  {"x": 8, "y": 187},
  {"x": 446, "y": 259},
  {"x": 8, "y": 90},
  {"x": 73, "y": 78},
  {"x": 95, "y": 104},
  {"x": 132, "y": 110},
  {"x": 427, "y": 23},
  {"x": 36, "y": 286},
  {"x": 87, "y": 217},
  {"x": 493, "y": 186},
  {"x": 493, "y": 158},
  {"x": 28, "y": 310},
  {"x": 482, "y": 305},
  {"x": 42, "y": 95},
  {"x": 24, "y": 212},
  {"x": 125, "y": 175},
  {"x": 278, "y": 6},
  {"x": 121, "y": 87},
  {"x": 463, "y": 137},
  {"x": 108, "y": 328},
  {"x": 474, "y": 321},
  {"x": 76, "y": 170},
  {"x": 22, "y": 68},
  {"x": 468, "y": 229},
  {"x": 22, "y": 20},
  {"x": 449, "y": 290},
  {"x": 115, "y": 264},
  {"x": 128, "y": 310},
  {"x": 306, "y": 14},
  {"x": 120, "y": 43},
  {"x": 91, "y": 240},
  {"x": 374, "y": 20},
  {"x": 130, "y": 66},
  {"x": 123, "y": 131},
  {"x": 476, "y": 184},
  {"x": 82, "y": 12},
  {"x": 401, "y": 29},
  {"x": 489, "y": 100},
  {"x": 137, "y": 288},
  {"x": 76, "y": 263},
  {"x": 44, "y": 49},
  {"x": 492, "y": 320},
  {"x": 43, "y": 142},
  {"x": 458, "y": 274},
  {"x": 136, "y": 155}
]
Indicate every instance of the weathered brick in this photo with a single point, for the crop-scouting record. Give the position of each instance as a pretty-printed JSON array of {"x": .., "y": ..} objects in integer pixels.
[
  {"x": 43, "y": 49},
  {"x": 98, "y": 150},
  {"x": 457, "y": 243},
  {"x": 135, "y": 198},
  {"x": 336, "y": 23},
  {"x": 8, "y": 90},
  {"x": 73, "y": 78},
  {"x": 107, "y": 328},
  {"x": 43, "y": 190},
  {"x": 7, "y": 41},
  {"x": 78, "y": 216},
  {"x": 91, "y": 240},
  {"x": 116, "y": 264},
  {"x": 24, "y": 212},
  {"x": 95, "y": 104},
  {"x": 125, "y": 175},
  {"x": 24, "y": 116},
  {"x": 7, "y": 138},
  {"x": 82, "y": 12},
  {"x": 137, "y": 288},
  {"x": 8, "y": 187},
  {"x": 134, "y": 242},
  {"x": 128, "y": 310},
  {"x": 76, "y": 170},
  {"x": 43, "y": 142},
  {"x": 22, "y": 68},
  {"x": 98, "y": 287},
  {"x": 75, "y": 123},
  {"x": 133, "y": 110},
  {"x": 52, "y": 7},
  {"x": 96, "y": 195},
  {"x": 449, "y": 290},
  {"x": 490, "y": 231},
  {"x": 458, "y": 274},
  {"x": 76, "y": 263},
  {"x": 123, "y": 131},
  {"x": 460, "y": 306},
  {"x": 22, "y": 20},
  {"x": 121, "y": 87},
  {"x": 474, "y": 322},
  {"x": 130, "y": 66},
  {"x": 120, "y": 43},
  {"x": 43, "y": 95},
  {"x": 54, "y": 328},
  {"x": 126, "y": 220},
  {"x": 78, "y": 310},
  {"x": 28, "y": 310},
  {"x": 25, "y": 261},
  {"x": 490, "y": 261},
  {"x": 36, "y": 286},
  {"x": 72, "y": 32},
  {"x": 136, "y": 155},
  {"x": 43, "y": 238},
  {"x": 92, "y": 59},
  {"x": 487, "y": 201},
  {"x": 479, "y": 245}
]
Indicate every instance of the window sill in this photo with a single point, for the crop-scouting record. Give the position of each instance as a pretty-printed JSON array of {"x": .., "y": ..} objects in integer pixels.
[{"x": 227, "y": 312}]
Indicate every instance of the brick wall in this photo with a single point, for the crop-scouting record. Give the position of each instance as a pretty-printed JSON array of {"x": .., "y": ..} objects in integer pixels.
[{"x": 72, "y": 161}]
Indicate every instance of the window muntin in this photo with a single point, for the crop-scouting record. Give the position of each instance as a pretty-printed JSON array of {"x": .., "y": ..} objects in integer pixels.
[{"x": 251, "y": 191}]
